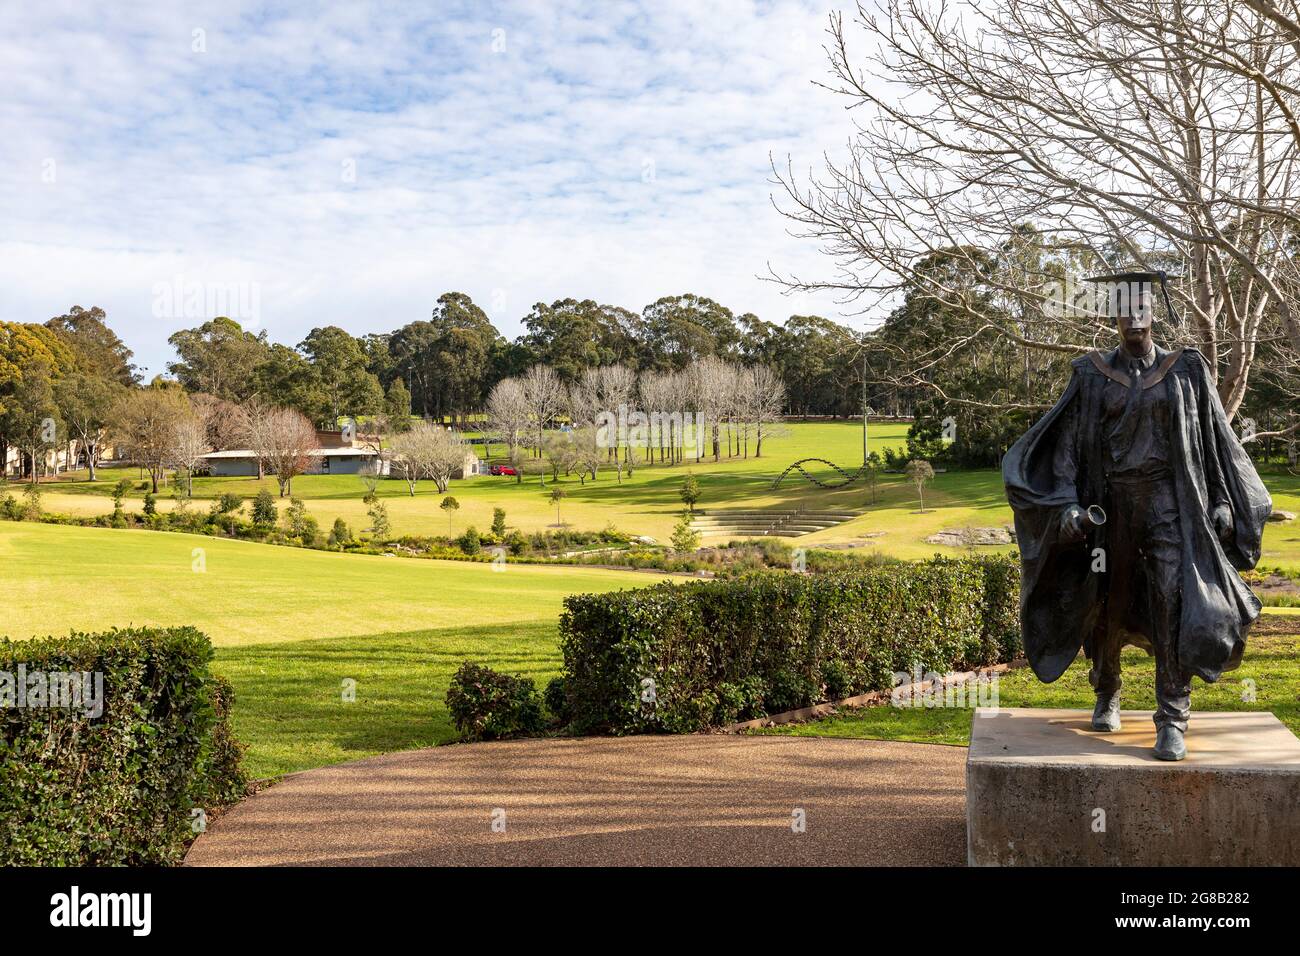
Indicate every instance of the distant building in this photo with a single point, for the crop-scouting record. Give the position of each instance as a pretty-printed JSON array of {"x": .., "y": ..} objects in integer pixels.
[
  {"x": 242, "y": 463},
  {"x": 69, "y": 455},
  {"x": 337, "y": 455},
  {"x": 473, "y": 465}
]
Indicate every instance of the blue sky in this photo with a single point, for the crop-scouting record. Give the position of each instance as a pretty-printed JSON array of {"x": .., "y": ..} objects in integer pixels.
[{"x": 347, "y": 163}]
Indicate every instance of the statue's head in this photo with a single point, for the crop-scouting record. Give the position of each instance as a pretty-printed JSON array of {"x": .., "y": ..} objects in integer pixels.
[{"x": 1128, "y": 298}]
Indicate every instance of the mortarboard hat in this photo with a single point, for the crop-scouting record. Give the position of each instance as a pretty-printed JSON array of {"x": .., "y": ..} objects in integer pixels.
[{"x": 1124, "y": 291}]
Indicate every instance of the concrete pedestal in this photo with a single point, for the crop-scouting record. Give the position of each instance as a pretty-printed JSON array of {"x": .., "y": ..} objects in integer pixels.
[{"x": 1043, "y": 789}]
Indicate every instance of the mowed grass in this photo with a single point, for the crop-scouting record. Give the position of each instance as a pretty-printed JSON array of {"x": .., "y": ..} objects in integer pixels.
[
  {"x": 290, "y": 708},
  {"x": 1270, "y": 663},
  {"x": 290, "y": 625}
]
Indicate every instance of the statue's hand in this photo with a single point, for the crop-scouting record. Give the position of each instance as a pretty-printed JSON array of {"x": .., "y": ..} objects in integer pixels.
[
  {"x": 1222, "y": 519},
  {"x": 1072, "y": 523}
]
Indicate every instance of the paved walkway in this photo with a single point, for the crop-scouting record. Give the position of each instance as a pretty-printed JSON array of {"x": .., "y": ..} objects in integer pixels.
[{"x": 703, "y": 800}]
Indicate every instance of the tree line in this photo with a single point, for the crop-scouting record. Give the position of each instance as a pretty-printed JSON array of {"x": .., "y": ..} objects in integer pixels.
[
  {"x": 444, "y": 368},
  {"x": 71, "y": 380}
]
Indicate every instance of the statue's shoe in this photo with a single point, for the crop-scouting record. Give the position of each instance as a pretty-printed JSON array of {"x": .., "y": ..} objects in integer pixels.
[
  {"x": 1105, "y": 716},
  {"x": 1169, "y": 744}
]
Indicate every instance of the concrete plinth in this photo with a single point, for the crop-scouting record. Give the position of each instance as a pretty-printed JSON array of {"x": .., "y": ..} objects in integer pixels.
[{"x": 1043, "y": 789}]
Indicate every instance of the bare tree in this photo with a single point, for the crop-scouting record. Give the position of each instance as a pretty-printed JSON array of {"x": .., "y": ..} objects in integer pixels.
[
  {"x": 189, "y": 443},
  {"x": 226, "y": 421},
  {"x": 428, "y": 451},
  {"x": 545, "y": 397},
  {"x": 588, "y": 453},
  {"x": 585, "y": 398},
  {"x": 253, "y": 430},
  {"x": 710, "y": 386},
  {"x": 508, "y": 413},
  {"x": 146, "y": 420},
  {"x": 666, "y": 397},
  {"x": 407, "y": 456},
  {"x": 444, "y": 454},
  {"x": 290, "y": 439},
  {"x": 1095, "y": 127},
  {"x": 762, "y": 399}
]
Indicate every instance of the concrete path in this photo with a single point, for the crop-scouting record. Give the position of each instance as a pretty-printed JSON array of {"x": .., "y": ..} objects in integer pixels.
[{"x": 690, "y": 800}]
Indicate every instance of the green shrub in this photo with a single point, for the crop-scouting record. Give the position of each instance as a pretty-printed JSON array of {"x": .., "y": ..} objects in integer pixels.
[
  {"x": 380, "y": 527},
  {"x": 516, "y": 542},
  {"x": 295, "y": 518},
  {"x": 122, "y": 787},
  {"x": 488, "y": 705},
  {"x": 10, "y": 510},
  {"x": 150, "y": 504},
  {"x": 223, "y": 778},
  {"x": 469, "y": 541},
  {"x": 340, "y": 534},
  {"x": 556, "y": 698},
  {"x": 264, "y": 511},
  {"x": 684, "y": 537},
  {"x": 119, "y": 492},
  {"x": 1000, "y": 637},
  {"x": 32, "y": 508},
  {"x": 773, "y": 641},
  {"x": 228, "y": 504},
  {"x": 499, "y": 522}
]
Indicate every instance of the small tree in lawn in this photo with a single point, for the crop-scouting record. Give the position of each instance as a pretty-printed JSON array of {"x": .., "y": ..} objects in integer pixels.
[
  {"x": 119, "y": 492},
  {"x": 690, "y": 492},
  {"x": 32, "y": 508},
  {"x": 380, "y": 529},
  {"x": 341, "y": 534},
  {"x": 295, "y": 518},
  {"x": 451, "y": 506},
  {"x": 684, "y": 537},
  {"x": 918, "y": 473},
  {"x": 558, "y": 495},
  {"x": 499, "y": 522},
  {"x": 264, "y": 511},
  {"x": 227, "y": 507},
  {"x": 871, "y": 469}
]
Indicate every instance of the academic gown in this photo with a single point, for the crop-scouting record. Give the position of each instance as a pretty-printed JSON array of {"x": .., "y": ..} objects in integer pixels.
[{"x": 1062, "y": 597}]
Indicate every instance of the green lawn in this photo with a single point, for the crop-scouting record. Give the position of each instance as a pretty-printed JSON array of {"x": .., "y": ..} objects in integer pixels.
[
  {"x": 290, "y": 625},
  {"x": 1270, "y": 661},
  {"x": 289, "y": 702}
]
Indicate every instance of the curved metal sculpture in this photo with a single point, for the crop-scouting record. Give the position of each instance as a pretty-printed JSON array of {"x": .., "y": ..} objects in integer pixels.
[{"x": 849, "y": 478}]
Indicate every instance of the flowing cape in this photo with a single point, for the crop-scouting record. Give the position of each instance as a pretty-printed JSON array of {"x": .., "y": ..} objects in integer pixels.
[{"x": 1062, "y": 597}]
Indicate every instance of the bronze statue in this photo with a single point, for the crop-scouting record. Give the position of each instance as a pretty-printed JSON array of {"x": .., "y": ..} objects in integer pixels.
[{"x": 1135, "y": 509}]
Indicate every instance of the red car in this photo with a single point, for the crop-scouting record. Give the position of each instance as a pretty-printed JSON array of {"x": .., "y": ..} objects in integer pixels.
[{"x": 502, "y": 470}]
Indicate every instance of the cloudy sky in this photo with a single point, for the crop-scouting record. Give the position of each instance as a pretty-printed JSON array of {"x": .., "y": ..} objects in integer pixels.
[{"x": 346, "y": 163}]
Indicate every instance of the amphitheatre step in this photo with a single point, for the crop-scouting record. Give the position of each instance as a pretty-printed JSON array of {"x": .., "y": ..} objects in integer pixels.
[{"x": 778, "y": 522}]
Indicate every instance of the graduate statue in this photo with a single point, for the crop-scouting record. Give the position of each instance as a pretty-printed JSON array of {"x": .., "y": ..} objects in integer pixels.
[{"x": 1135, "y": 509}]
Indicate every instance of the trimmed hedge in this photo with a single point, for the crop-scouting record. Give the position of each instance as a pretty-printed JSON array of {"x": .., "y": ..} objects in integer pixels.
[
  {"x": 120, "y": 788},
  {"x": 680, "y": 658}
]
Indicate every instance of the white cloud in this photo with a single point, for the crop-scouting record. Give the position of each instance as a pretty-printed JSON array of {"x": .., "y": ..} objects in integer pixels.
[{"x": 620, "y": 154}]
